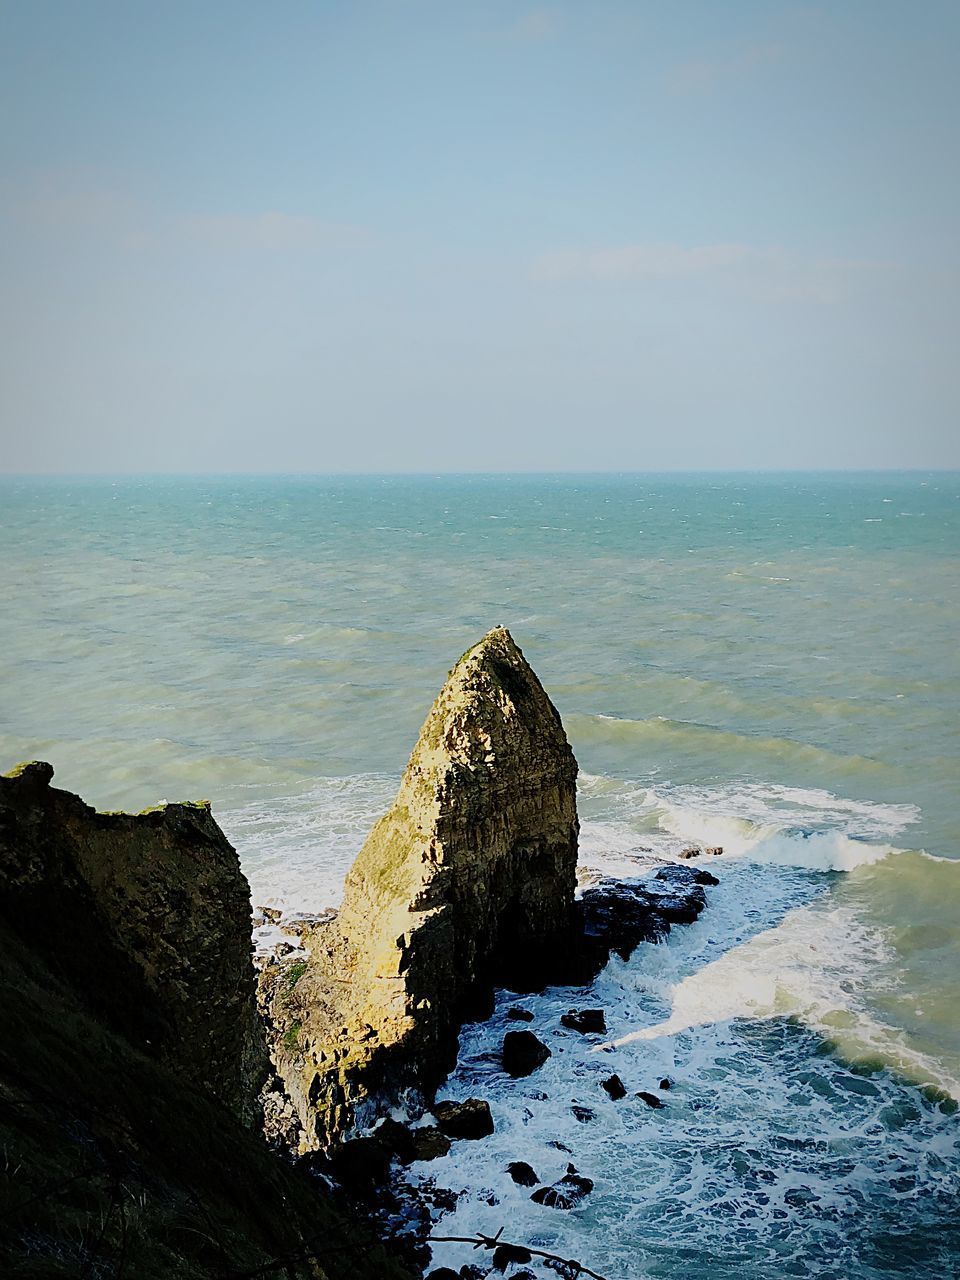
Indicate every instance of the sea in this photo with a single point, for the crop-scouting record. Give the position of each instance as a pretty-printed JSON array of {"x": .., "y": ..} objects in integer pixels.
[{"x": 763, "y": 662}]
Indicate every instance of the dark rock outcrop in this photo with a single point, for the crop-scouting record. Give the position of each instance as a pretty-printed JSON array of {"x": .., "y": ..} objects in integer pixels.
[
  {"x": 470, "y": 1119},
  {"x": 522, "y": 1173},
  {"x": 567, "y": 1193},
  {"x": 615, "y": 1087},
  {"x": 586, "y": 1021},
  {"x": 618, "y": 915},
  {"x": 519, "y": 1015},
  {"x": 468, "y": 881},
  {"x": 523, "y": 1052},
  {"x": 149, "y": 914}
]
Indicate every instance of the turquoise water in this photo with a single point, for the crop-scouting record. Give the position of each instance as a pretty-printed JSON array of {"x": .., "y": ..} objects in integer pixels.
[{"x": 764, "y": 662}]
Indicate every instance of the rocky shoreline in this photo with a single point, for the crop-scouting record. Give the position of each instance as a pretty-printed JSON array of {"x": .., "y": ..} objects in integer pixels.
[{"x": 334, "y": 1044}]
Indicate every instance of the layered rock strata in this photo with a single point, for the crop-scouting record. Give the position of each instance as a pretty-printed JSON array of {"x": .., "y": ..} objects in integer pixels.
[{"x": 468, "y": 881}]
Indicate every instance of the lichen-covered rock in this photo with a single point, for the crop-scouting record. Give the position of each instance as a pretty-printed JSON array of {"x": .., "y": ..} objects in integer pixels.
[
  {"x": 468, "y": 881},
  {"x": 148, "y": 915}
]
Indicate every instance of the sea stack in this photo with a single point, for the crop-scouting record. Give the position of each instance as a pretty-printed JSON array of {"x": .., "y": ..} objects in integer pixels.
[{"x": 468, "y": 881}]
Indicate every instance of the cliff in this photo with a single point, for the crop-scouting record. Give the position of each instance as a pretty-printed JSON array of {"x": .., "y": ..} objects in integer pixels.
[
  {"x": 131, "y": 1057},
  {"x": 147, "y": 913},
  {"x": 468, "y": 881}
]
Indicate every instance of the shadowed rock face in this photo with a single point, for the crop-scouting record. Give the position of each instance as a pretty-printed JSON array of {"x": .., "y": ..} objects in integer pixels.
[
  {"x": 468, "y": 881},
  {"x": 149, "y": 916}
]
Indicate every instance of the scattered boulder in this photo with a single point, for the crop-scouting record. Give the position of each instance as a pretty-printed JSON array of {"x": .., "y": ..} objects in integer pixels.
[
  {"x": 470, "y": 1119},
  {"x": 583, "y": 1114},
  {"x": 714, "y": 849},
  {"x": 691, "y": 851},
  {"x": 271, "y": 914},
  {"x": 586, "y": 1021},
  {"x": 519, "y": 1015},
  {"x": 614, "y": 1087},
  {"x": 665, "y": 1083},
  {"x": 444, "y": 1273},
  {"x": 505, "y": 1254},
  {"x": 650, "y": 1099},
  {"x": 570, "y": 1191},
  {"x": 408, "y": 1144},
  {"x": 523, "y": 1052},
  {"x": 522, "y": 1173}
]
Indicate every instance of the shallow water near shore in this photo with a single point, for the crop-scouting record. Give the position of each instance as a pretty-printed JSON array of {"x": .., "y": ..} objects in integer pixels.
[{"x": 763, "y": 663}]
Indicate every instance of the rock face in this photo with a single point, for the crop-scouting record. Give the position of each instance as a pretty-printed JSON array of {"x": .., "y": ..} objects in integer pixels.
[
  {"x": 149, "y": 915},
  {"x": 129, "y": 1059},
  {"x": 468, "y": 881}
]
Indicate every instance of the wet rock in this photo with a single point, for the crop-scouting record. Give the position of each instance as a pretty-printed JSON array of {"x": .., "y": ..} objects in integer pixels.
[
  {"x": 473, "y": 1272},
  {"x": 444, "y": 1273},
  {"x": 614, "y": 1087},
  {"x": 466, "y": 883},
  {"x": 691, "y": 851},
  {"x": 586, "y": 1021},
  {"x": 520, "y": 1015},
  {"x": 506, "y": 1254},
  {"x": 408, "y": 1144},
  {"x": 684, "y": 878},
  {"x": 570, "y": 1191},
  {"x": 272, "y": 914},
  {"x": 582, "y": 1114},
  {"x": 523, "y": 1052},
  {"x": 714, "y": 849},
  {"x": 522, "y": 1173},
  {"x": 650, "y": 1099},
  {"x": 470, "y": 1119},
  {"x": 560, "y": 1146},
  {"x": 665, "y": 1083}
]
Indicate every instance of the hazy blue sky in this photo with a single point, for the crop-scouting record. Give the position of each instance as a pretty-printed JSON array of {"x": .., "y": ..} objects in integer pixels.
[{"x": 454, "y": 235}]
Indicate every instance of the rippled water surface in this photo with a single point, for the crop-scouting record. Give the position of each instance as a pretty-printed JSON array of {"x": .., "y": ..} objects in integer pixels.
[{"x": 765, "y": 663}]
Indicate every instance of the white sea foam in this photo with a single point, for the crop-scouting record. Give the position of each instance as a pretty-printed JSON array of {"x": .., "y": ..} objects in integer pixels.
[{"x": 779, "y": 1126}]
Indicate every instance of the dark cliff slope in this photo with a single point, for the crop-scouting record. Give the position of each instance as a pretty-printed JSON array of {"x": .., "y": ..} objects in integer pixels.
[{"x": 130, "y": 1058}]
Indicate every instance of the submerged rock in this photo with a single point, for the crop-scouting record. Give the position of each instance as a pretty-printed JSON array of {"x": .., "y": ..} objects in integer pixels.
[
  {"x": 650, "y": 1099},
  {"x": 523, "y": 1052},
  {"x": 468, "y": 881},
  {"x": 570, "y": 1191},
  {"x": 519, "y": 1015}
]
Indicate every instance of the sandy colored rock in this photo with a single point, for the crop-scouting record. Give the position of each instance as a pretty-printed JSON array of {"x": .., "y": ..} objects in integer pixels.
[{"x": 468, "y": 881}]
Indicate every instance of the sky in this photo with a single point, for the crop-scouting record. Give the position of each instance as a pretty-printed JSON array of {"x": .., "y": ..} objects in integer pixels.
[{"x": 478, "y": 235}]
